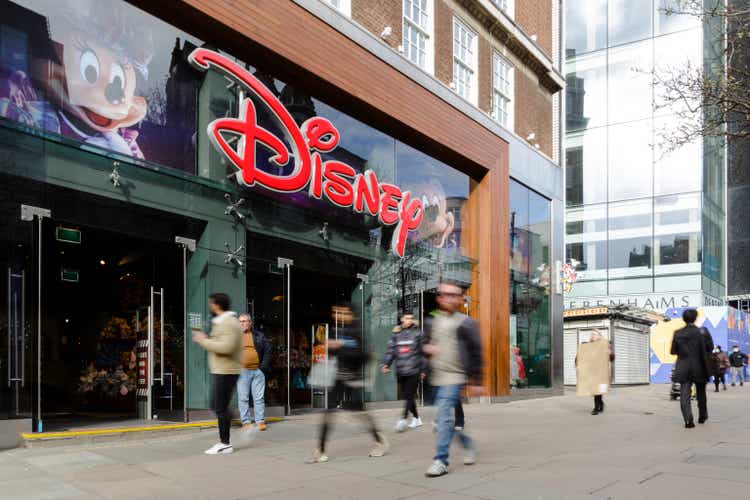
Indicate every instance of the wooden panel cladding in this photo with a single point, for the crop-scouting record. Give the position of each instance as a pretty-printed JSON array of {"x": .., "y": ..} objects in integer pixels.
[{"x": 282, "y": 37}]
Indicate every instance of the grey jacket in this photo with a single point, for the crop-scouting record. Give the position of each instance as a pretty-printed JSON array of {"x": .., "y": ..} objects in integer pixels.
[{"x": 405, "y": 348}]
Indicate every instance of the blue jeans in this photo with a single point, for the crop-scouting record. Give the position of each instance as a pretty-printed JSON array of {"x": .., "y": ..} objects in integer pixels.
[
  {"x": 255, "y": 381},
  {"x": 446, "y": 398}
]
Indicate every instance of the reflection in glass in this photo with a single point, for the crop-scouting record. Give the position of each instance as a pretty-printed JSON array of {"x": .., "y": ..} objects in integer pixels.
[
  {"x": 529, "y": 288},
  {"x": 586, "y": 241},
  {"x": 673, "y": 15},
  {"x": 586, "y": 26},
  {"x": 630, "y": 82},
  {"x": 677, "y": 234},
  {"x": 586, "y": 167},
  {"x": 629, "y": 21},
  {"x": 676, "y": 171},
  {"x": 630, "y": 160},
  {"x": 630, "y": 238},
  {"x": 673, "y": 55},
  {"x": 586, "y": 92}
]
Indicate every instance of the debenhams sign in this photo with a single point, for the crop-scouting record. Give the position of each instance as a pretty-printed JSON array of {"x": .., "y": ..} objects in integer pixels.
[{"x": 655, "y": 302}]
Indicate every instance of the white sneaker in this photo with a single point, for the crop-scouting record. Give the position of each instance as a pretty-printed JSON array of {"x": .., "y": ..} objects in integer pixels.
[
  {"x": 415, "y": 422},
  {"x": 219, "y": 449},
  {"x": 471, "y": 457},
  {"x": 318, "y": 457},
  {"x": 381, "y": 448},
  {"x": 438, "y": 468},
  {"x": 401, "y": 425}
]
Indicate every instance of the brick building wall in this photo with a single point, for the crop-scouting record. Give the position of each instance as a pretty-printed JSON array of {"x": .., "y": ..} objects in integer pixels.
[
  {"x": 443, "y": 42},
  {"x": 484, "y": 78},
  {"x": 533, "y": 110},
  {"x": 535, "y": 18},
  {"x": 374, "y": 15}
]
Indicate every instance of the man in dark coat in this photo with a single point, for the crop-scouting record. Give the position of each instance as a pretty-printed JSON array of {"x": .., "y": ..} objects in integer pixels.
[{"x": 692, "y": 345}]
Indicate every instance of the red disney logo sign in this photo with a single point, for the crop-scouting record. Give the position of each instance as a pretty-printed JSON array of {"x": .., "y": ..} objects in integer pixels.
[{"x": 333, "y": 180}]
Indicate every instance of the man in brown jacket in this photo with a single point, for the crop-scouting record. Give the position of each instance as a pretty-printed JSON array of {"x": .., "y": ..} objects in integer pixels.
[{"x": 224, "y": 348}]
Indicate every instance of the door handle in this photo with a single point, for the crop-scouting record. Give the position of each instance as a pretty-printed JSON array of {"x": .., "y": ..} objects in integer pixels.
[{"x": 15, "y": 329}]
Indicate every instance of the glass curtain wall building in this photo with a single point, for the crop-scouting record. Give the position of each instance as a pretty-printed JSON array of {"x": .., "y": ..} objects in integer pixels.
[{"x": 644, "y": 226}]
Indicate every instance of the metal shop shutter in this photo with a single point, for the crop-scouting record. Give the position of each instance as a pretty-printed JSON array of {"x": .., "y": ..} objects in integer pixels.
[
  {"x": 570, "y": 349},
  {"x": 631, "y": 357}
]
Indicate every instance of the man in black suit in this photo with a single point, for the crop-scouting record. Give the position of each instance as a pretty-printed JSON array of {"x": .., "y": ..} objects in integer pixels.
[{"x": 692, "y": 345}]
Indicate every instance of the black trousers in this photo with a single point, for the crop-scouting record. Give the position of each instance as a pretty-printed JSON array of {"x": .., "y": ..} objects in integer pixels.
[
  {"x": 598, "y": 402},
  {"x": 342, "y": 392},
  {"x": 409, "y": 385},
  {"x": 686, "y": 407},
  {"x": 223, "y": 389},
  {"x": 719, "y": 378}
]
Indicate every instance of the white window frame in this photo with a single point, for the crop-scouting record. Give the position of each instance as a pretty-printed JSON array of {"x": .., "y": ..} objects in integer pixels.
[
  {"x": 427, "y": 31},
  {"x": 470, "y": 66},
  {"x": 507, "y": 6},
  {"x": 503, "y": 90},
  {"x": 342, "y": 6}
]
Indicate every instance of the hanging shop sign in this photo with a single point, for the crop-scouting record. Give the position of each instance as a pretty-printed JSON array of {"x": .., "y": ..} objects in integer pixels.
[{"x": 332, "y": 180}]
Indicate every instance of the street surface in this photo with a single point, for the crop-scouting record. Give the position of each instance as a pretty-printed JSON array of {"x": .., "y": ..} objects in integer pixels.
[{"x": 535, "y": 449}]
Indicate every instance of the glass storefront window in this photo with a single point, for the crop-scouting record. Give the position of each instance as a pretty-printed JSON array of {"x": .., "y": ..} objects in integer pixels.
[
  {"x": 630, "y": 86},
  {"x": 586, "y": 30},
  {"x": 101, "y": 75},
  {"x": 629, "y": 21},
  {"x": 630, "y": 238},
  {"x": 630, "y": 160},
  {"x": 586, "y": 91},
  {"x": 530, "y": 334},
  {"x": 673, "y": 54},
  {"x": 677, "y": 245},
  {"x": 586, "y": 241}
]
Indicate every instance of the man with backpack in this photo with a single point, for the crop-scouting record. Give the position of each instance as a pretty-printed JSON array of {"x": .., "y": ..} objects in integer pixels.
[{"x": 737, "y": 361}]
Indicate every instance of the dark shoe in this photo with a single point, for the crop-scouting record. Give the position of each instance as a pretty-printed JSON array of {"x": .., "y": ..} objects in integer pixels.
[
  {"x": 689, "y": 425},
  {"x": 732, "y": 384},
  {"x": 717, "y": 389},
  {"x": 702, "y": 420},
  {"x": 741, "y": 384},
  {"x": 725, "y": 387},
  {"x": 595, "y": 411},
  {"x": 601, "y": 407}
]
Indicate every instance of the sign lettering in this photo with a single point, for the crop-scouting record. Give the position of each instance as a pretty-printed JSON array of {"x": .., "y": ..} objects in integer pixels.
[{"x": 333, "y": 180}]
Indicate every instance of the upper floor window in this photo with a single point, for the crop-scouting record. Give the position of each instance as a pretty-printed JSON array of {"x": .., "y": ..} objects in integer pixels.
[
  {"x": 343, "y": 6},
  {"x": 417, "y": 39},
  {"x": 502, "y": 91},
  {"x": 504, "y": 5},
  {"x": 464, "y": 61}
]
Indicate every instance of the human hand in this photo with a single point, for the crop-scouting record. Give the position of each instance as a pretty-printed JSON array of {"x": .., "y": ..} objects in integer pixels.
[
  {"x": 431, "y": 349},
  {"x": 476, "y": 390},
  {"x": 199, "y": 336},
  {"x": 335, "y": 344},
  {"x": 385, "y": 369}
]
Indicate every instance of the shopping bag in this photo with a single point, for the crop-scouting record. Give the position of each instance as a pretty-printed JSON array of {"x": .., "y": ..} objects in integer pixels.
[{"x": 323, "y": 375}]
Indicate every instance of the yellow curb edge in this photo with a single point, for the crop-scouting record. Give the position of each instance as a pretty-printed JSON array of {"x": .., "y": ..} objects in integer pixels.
[{"x": 122, "y": 430}]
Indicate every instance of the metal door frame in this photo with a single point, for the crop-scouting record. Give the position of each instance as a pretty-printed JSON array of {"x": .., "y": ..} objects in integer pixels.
[
  {"x": 29, "y": 213},
  {"x": 286, "y": 266}
]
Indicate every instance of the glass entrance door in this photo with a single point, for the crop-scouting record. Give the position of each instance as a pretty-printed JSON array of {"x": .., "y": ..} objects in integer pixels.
[{"x": 17, "y": 333}]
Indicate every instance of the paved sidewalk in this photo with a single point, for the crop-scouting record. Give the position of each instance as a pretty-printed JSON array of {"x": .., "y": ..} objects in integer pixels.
[{"x": 536, "y": 449}]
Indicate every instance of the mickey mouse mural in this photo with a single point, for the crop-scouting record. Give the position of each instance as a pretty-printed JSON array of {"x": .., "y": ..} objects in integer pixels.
[{"x": 80, "y": 72}]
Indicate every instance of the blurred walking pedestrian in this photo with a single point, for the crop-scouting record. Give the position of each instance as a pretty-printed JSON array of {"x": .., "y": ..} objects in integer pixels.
[
  {"x": 224, "y": 347},
  {"x": 692, "y": 345},
  {"x": 350, "y": 356},
  {"x": 737, "y": 361},
  {"x": 453, "y": 344},
  {"x": 719, "y": 365},
  {"x": 256, "y": 361},
  {"x": 405, "y": 348},
  {"x": 594, "y": 374}
]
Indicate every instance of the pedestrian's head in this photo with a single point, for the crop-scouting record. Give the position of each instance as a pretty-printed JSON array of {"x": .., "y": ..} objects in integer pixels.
[
  {"x": 736, "y": 348},
  {"x": 342, "y": 314},
  {"x": 450, "y": 296},
  {"x": 246, "y": 322},
  {"x": 689, "y": 316},
  {"x": 516, "y": 350},
  {"x": 718, "y": 348},
  {"x": 218, "y": 303},
  {"x": 407, "y": 320},
  {"x": 595, "y": 336}
]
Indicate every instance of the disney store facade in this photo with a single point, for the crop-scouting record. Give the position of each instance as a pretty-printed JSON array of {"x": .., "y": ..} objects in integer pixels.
[{"x": 145, "y": 166}]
